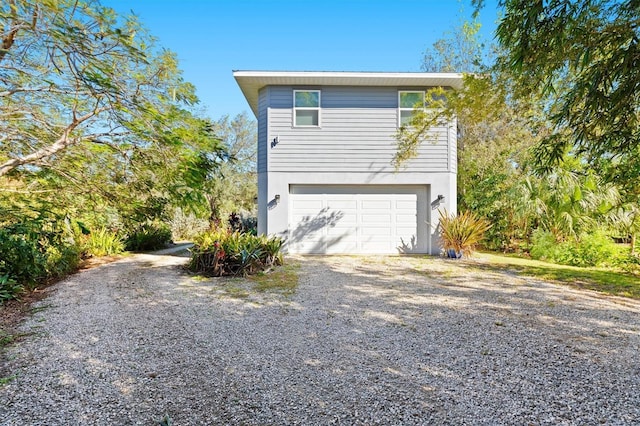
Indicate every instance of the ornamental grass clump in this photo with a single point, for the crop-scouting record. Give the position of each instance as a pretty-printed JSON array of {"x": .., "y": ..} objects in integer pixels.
[
  {"x": 224, "y": 252},
  {"x": 461, "y": 234}
]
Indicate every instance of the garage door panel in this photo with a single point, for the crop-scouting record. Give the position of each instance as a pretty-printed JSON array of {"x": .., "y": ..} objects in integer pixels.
[
  {"x": 376, "y": 218},
  {"x": 406, "y": 218},
  {"x": 409, "y": 205},
  {"x": 342, "y": 219},
  {"x": 376, "y": 240},
  {"x": 379, "y": 247},
  {"x": 353, "y": 222},
  {"x": 310, "y": 247},
  {"x": 342, "y": 204},
  {"x": 376, "y": 204},
  {"x": 342, "y": 247},
  {"x": 345, "y": 232},
  {"x": 307, "y": 205},
  {"x": 376, "y": 230}
]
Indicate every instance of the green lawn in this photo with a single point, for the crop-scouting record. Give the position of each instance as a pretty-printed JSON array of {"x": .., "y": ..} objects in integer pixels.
[{"x": 599, "y": 279}]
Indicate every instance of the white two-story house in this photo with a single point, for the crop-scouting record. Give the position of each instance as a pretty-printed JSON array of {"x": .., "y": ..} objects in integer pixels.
[{"x": 325, "y": 146}]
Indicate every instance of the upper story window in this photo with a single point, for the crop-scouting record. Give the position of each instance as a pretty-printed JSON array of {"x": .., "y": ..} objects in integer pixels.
[
  {"x": 306, "y": 108},
  {"x": 408, "y": 101}
]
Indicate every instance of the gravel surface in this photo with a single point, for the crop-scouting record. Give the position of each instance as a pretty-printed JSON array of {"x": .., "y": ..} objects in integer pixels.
[{"x": 363, "y": 341}]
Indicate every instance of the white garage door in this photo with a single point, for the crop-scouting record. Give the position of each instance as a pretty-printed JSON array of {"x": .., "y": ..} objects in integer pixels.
[{"x": 355, "y": 219}]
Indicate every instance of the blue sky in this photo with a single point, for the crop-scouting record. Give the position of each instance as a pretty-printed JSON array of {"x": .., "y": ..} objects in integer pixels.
[{"x": 214, "y": 37}]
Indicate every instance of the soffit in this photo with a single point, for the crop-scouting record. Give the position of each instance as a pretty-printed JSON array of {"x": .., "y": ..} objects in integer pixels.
[{"x": 251, "y": 82}]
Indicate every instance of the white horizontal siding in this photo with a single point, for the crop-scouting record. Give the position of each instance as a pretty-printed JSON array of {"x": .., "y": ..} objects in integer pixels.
[{"x": 357, "y": 133}]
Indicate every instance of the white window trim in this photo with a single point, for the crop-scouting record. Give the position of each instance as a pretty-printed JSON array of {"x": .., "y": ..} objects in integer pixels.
[
  {"x": 400, "y": 109},
  {"x": 295, "y": 109}
]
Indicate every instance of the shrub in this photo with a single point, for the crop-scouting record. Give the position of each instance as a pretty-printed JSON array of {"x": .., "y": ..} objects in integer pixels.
[
  {"x": 627, "y": 262},
  {"x": 148, "y": 236},
  {"x": 102, "y": 242},
  {"x": 225, "y": 252},
  {"x": 187, "y": 226},
  {"x": 21, "y": 257},
  {"x": 35, "y": 251},
  {"x": 543, "y": 245},
  {"x": 594, "y": 249},
  {"x": 9, "y": 288},
  {"x": 243, "y": 223},
  {"x": 461, "y": 233}
]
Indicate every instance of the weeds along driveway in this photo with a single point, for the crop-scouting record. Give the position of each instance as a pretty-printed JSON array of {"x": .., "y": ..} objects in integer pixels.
[{"x": 363, "y": 340}]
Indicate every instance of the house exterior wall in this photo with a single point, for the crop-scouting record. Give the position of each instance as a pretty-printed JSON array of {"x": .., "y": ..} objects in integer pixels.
[
  {"x": 354, "y": 145},
  {"x": 263, "y": 118},
  {"x": 356, "y": 133}
]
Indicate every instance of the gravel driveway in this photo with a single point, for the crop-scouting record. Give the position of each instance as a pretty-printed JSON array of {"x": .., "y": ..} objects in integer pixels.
[{"x": 364, "y": 340}]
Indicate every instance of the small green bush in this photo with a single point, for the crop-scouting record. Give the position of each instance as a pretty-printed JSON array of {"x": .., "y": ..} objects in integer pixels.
[
  {"x": 463, "y": 232},
  {"x": 627, "y": 262},
  {"x": 225, "y": 252},
  {"x": 102, "y": 242},
  {"x": 9, "y": 288},
  {"x": 543, "y": 246},
  {"x": 594, "y": 249},
  {"x": 148, "y": 236},
  {"x": 32, "y": 252}
]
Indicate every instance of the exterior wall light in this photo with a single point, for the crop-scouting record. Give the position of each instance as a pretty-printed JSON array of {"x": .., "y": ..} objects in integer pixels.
[
  {"x": 440, "y": 198},
  {"x": 277, "y": 198}
]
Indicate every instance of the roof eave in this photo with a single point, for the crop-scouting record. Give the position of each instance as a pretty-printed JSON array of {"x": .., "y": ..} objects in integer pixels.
[{"x": 251, "y": 82}]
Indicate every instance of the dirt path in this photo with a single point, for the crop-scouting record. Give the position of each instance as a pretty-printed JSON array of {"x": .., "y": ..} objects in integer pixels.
[{"x": 364, "y": 340}]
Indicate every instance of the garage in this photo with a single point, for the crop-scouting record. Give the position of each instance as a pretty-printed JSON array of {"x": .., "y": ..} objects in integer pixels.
[{"x": 358, "y": 219}]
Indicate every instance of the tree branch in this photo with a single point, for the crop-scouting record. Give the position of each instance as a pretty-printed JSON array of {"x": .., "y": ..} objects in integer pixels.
[{"x": 63, "y": 142}]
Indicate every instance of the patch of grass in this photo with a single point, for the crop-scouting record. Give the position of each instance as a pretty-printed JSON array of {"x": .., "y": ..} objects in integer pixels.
[
  {"x": 282, "y": 279},
  {"x": 5, "y": 339},
  {"x": 236, "y": 292},
  {"x": 599, "y": 279},
  {"x": 6, "y": 380}
]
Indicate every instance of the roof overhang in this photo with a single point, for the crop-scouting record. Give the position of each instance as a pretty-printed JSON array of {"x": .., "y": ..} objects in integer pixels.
[{"x": 251, "y": 82}]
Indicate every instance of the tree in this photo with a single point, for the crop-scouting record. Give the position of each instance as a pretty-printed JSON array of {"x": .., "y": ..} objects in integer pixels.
[
  {"x": 584, "y": 57},
  {"x": 459, "y": 51},
  {"x": 494, "y": 132},
  {"x": 73, "y": 72},
  {"x": 94, "y": 117},
  {"x": 235, "y": 186}
]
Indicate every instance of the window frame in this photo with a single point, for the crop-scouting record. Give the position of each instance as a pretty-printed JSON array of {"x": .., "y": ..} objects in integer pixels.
[
  {"x": 296, "y": 109},
  {"x": 401, "y": 108}
]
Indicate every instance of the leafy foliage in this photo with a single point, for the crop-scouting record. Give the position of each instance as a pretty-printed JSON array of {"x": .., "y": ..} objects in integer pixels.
[
  {"x": 225, "y": 252},
  {"x": 34, "y": 251},
  {"x": 148, "y": 236},
  {"x": 97, "y": 126},
  {"x": 234, "y": 187},
  {"x": 9, "y": 288},
  {"x": 583, "y": 58},
  {"x": 463, "y": 232},
  {"x": 594, "y": 249},
  {"x": 186, "y": 226},
  {"x": 500, "y": 134},
  {"x": 101, "y": 242}
]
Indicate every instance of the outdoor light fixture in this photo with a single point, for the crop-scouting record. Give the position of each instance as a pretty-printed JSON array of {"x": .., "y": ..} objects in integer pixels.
[
  {"x": 440, "y": 198},
  {"x": 277, "y": 198}
]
